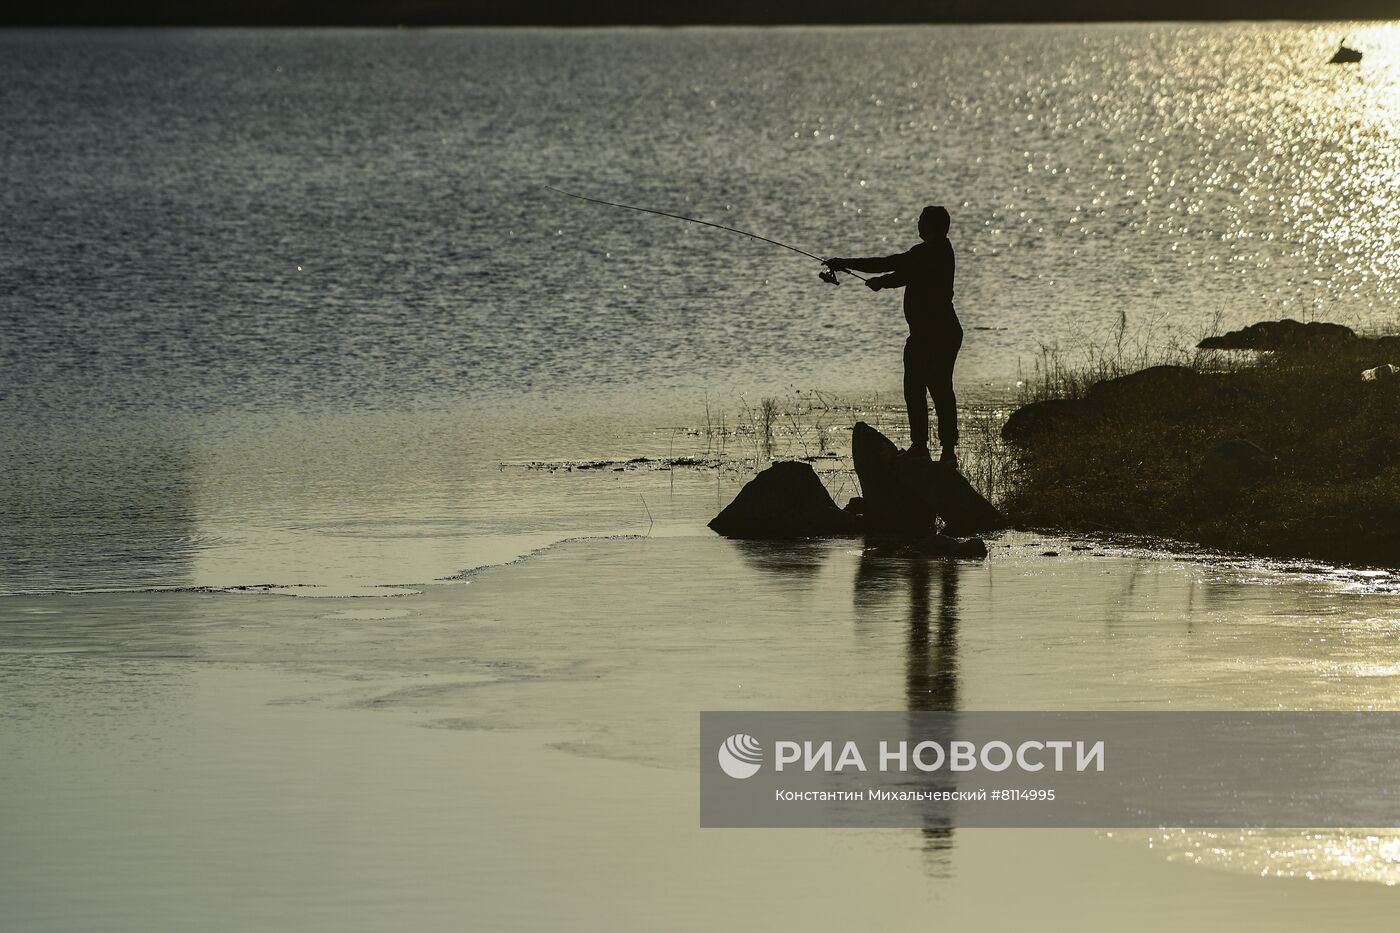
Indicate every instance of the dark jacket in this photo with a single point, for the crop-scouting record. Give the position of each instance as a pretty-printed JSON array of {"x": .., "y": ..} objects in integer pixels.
[{"x": 925, "y": 273}]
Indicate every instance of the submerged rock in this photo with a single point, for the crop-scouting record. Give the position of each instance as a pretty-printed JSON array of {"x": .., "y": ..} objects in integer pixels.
[
  {"x": 940, "y": 545},
  {"x": 787, "y": 500},
  {"x": 971, "y": 549}
]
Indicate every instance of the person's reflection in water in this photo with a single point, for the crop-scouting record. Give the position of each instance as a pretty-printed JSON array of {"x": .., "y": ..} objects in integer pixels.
[
  {"x": 931, "y": 678},
  {"x": 931, "y": 659}
]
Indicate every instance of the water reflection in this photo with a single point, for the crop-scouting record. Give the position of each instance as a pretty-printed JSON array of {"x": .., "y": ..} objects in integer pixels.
[
  {"x": 931, "y": 658},
  {"x": 931, "y": 675},
  {"x": 796, "y": 562},
  {"x": 931, "y": 679}
]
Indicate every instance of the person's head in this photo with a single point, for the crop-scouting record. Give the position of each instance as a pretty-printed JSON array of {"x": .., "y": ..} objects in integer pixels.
[{"x": 933, "y": 222}]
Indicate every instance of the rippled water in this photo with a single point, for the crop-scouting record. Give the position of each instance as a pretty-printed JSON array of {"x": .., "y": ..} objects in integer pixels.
[{"x": 216, "y": 219}]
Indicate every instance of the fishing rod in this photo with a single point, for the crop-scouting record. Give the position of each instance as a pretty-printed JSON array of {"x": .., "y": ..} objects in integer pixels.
[{"x": 826, "y": 275}]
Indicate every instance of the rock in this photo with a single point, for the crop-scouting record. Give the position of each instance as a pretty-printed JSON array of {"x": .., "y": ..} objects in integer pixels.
[
  {"x": 1030, "y": 421},
  {"x": 1234, "y": 464},
  {"x": 935, "y": 545},
  {"x": 1344, "y": 56},
  {"x": 971, "y": 549},
  {"x": 899, "y": 497},
  {"x": 1380, "y": 373},
  {"x": 907, "y": 495},
  {"x": 940, "y": 545},
  {"x": 1154, "y": 384},
  {"x": 888, "y": 505},
  {"x": 1287, "y": 334},
  {"x": 950, "y": 496},
  {"x": 787, "y": 500},
  {"x": 1175, "y": 393}
]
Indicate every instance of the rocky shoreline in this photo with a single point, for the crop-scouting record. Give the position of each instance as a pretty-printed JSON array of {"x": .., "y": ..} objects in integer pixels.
[
  {"x": 1294, "y": 453},
  {"x": 1281, "y": 439}
]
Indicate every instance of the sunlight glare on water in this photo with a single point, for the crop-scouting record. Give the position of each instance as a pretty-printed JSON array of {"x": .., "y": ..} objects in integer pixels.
[
  {"x": 1329, "y": 855},
  {"x": 245, "y": 219}
]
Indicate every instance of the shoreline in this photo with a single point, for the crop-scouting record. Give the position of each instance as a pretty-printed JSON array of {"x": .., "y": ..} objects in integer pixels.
[{"x": 1291, "y": 455}]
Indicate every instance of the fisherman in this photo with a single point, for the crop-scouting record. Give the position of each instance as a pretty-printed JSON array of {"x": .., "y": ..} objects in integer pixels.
[{"x": 935, "y": 336}]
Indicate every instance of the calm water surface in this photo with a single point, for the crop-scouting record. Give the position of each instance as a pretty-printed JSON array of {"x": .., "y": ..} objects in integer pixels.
[{"x": 518, "y": 751}]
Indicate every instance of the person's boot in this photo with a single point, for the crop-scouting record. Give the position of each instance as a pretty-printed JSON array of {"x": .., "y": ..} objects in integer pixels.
[
  {"x": 949, "y": 456},
  {"x": 917, "y": 452}
]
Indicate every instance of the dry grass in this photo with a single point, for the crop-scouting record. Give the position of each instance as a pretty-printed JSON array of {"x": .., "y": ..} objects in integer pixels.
[
  {"x": 1069, "y": 370},
  {"x": 815, "y": 426}
]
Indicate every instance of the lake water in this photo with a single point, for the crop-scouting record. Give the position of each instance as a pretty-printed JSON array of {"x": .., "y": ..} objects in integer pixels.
[{"x": 292, "y": 330}]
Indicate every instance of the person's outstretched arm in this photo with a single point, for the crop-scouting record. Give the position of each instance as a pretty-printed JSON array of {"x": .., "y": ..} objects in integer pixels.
[{"x": 897, "y": 266}]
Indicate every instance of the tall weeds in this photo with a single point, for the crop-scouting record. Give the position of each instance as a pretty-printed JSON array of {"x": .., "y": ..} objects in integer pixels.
[{"x": 1067, "y": 370}]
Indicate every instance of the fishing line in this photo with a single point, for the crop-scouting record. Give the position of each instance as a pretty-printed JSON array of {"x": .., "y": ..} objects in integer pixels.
[{"x": 827, "y": 275}]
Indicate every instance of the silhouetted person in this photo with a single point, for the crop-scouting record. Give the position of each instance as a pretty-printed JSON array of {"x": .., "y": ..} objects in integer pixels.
[{"x": 935, "y": 335}]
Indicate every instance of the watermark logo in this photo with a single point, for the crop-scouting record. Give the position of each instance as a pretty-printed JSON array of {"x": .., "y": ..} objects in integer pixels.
[{"x": 740, "y": 756}]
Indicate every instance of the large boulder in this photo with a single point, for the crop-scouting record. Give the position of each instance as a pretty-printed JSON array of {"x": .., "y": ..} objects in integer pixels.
[
  {"x": 906, "y": 495},
  {"x": 887, "y": 505},
  {"x": 787, "y": 500},
  {"x": 1175, "y": 393},
  {"x": 1155, "y": 385},
  {"x": 1043, "y": 417},
  {"x": 1287, "y": 334}
]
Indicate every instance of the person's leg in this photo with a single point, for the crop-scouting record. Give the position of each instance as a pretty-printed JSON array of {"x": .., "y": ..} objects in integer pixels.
[
  {"x": 915, "y": 387},
  {"x": 943, "y": 357}
]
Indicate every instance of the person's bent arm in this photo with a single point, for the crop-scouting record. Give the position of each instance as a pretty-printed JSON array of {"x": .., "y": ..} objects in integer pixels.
[
  {"x": 893, "y": 280},
  {"x": 873, "y": 264}
]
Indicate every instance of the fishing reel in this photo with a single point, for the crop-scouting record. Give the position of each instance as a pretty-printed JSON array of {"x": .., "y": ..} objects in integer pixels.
[{"x": 829, "y": 275}]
